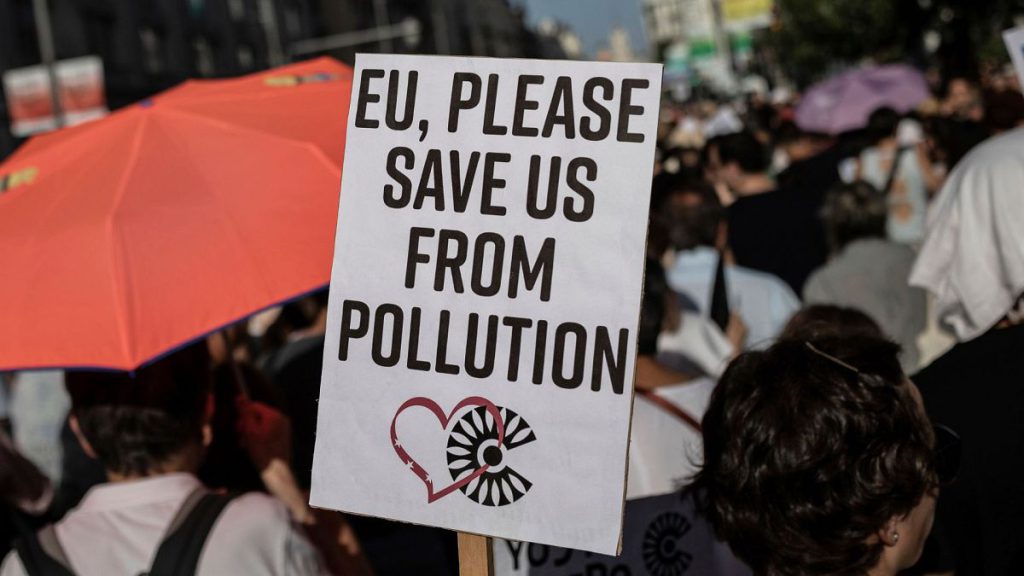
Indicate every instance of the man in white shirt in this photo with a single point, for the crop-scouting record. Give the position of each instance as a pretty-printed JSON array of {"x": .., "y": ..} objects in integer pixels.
[
  {"x": 763, "y": 301},
  {"x": 149, "y": 430}
]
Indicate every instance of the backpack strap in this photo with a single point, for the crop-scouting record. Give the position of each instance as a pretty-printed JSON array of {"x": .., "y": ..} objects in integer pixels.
[
  {"x": 668, "y": 406},
  {"x": 42, "y": 555},
  {"x": 178, "y": 554},
  {"x": 893, "y": 170}
]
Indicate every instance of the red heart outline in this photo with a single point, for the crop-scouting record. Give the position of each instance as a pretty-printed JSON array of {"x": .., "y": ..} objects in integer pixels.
[{"x": 444, "y": 419}]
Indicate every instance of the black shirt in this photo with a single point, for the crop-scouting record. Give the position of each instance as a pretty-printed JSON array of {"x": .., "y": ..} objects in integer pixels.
[
  {"x": 778, "y": 232},
  {"x": 816, "y": 175},
  {"x": 977, "y": 389}
]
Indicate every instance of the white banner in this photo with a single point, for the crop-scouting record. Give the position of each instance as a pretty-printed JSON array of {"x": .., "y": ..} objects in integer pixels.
[
  {"x": 30, "y": 100},
  {"x": 664, "y": 536},
  {"x": 485, "y": 295}
]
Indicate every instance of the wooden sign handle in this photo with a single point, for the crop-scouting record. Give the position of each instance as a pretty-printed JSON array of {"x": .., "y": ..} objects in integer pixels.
[{"x": 475, "y": 556}]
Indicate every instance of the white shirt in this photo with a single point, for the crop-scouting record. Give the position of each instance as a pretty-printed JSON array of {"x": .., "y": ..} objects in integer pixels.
[
  {"x": 699, "y": 341},
  {"x": 664, "y": 451},
  {"x": 763, "y": 301},
  {"x": 972, "y": 259},
  {"x": 117, "y": 528}
]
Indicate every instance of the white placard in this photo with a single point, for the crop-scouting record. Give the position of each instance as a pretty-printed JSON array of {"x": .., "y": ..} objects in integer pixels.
[
  {"x": 30, "y": 102},
  {"x": 664, "y": 536},
  {"x": 480, "y": 351},
  {"x": 1014, "y": 39}
]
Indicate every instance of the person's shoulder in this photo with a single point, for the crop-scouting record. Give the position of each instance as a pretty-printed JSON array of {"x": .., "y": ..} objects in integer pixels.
[
  {"x": 901, "y": 253},
  {"x": 256, "y": 535},
  {"x": 11, "y": 565},
  {"x": 815, "y": 287},
  {"x": 253, "y": 519},
  {"x": 877, "y": 252},
  {"x": 258, "y": 507},
  {"x": 761, "y": 280},
  {"x": 996, "y": 151}
]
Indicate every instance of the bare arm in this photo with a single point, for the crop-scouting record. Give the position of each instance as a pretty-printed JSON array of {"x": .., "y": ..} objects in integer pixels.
[{"x": 932, "y": 180}]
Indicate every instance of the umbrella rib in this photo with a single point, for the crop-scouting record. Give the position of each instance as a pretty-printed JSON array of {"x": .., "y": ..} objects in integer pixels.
[
  {"x": 317, "y": 152},
  {"x": 229, "y": 223},
  {"x": 214, "y": 96},
  {"x": 116, "y": 265}
]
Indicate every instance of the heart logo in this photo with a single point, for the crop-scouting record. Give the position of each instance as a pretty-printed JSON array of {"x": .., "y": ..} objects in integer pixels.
[{"x": 444, "y": 419}]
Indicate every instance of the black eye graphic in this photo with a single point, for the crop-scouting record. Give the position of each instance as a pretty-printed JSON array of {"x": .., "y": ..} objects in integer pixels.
[
  {"x": 662, "y": 547},
  {"x": 474, "y": 442}
]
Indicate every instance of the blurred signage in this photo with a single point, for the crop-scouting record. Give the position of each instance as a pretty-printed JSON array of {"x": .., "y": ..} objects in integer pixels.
[
  {"x": 703, "y": 49},
  {"x": 488, "y": 267},
  {"x": 698, "y": 19},
  {"x": 746, "y": 14},
  {"x": 30, "y": 102},
  {"x": 677, "y": 73},
  {"x": 18, "y": 178},
  {"x": 663, "y": 536},
  {"x": 1014, "y": 39}
]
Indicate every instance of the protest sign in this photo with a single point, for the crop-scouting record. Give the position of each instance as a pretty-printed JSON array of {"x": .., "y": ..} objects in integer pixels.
[
  {"x": 1014, "y": 39},
  {"x": 485, "y": 296},
  {"x": 663, "y": 536}
]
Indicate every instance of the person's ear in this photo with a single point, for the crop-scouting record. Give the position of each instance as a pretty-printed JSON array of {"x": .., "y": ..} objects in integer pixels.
[
  {"x": 889, "y": 534},
  {"x": 82, "y": 441}
]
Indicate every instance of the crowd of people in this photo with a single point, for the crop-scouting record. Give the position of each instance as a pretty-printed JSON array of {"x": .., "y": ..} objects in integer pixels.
[{"x": 826, "y": 357}]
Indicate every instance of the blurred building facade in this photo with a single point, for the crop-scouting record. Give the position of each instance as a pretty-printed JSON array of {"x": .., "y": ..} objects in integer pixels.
[{"x": 150, "y": 45}]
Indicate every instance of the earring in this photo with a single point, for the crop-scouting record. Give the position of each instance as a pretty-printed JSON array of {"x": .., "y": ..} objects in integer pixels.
[{"x": 895, "y": 537}]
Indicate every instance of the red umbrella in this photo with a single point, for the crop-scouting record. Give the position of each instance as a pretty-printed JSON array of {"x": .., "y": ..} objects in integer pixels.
[{"x": 127, "y": 237}]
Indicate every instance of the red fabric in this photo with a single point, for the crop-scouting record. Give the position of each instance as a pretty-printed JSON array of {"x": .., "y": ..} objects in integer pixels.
[{"x": 171, "y": 218}]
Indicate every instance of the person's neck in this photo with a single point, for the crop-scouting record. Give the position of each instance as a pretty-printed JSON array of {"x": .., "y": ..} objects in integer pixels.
[
  {"x": 888, "y": 143},
  {"x": 187, "y": 463},
  {"x": 882, "y": 569},
  {"x": 753, "y": 184},
  {"x": 651, "y": 374}
]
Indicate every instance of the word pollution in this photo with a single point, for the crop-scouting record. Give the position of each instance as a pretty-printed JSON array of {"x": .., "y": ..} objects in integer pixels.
[{"x": 578, "y": 354}]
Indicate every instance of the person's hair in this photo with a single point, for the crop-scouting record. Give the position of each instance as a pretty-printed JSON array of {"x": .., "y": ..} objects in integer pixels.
[
  {"x": 696, "y": 219},
  {"x": 956, "y": 137},
  {"x": 652, "y": 309},
  {"x": 746, "y": 150},
  {"x": 882, "y": 124},
  {"x": 825, "y": 320},
  {"x": 226, "y": 464},
  {"x": 788, "y": 132},
  {"x": 1004, "y": 110},
  {"x": 852, "y": 212},
  {"x": 136, "y": 422},
  {"x": 806, "y": 459}
]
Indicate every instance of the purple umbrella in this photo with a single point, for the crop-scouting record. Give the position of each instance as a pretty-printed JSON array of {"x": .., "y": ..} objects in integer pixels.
[{"x": 844, "y": 102}]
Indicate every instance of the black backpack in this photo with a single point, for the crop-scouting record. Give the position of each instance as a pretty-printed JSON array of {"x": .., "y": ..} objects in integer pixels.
[{"x": 178, "y": 555}]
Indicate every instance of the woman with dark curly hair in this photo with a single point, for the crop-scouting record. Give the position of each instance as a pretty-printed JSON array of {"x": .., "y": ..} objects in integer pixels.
[{"x": 818, "y": 459}]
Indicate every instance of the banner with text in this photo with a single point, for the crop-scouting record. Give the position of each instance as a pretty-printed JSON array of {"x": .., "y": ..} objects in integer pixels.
[
  {"x": 663, "y": 536},
  {"x": 485, "y": 295}
]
